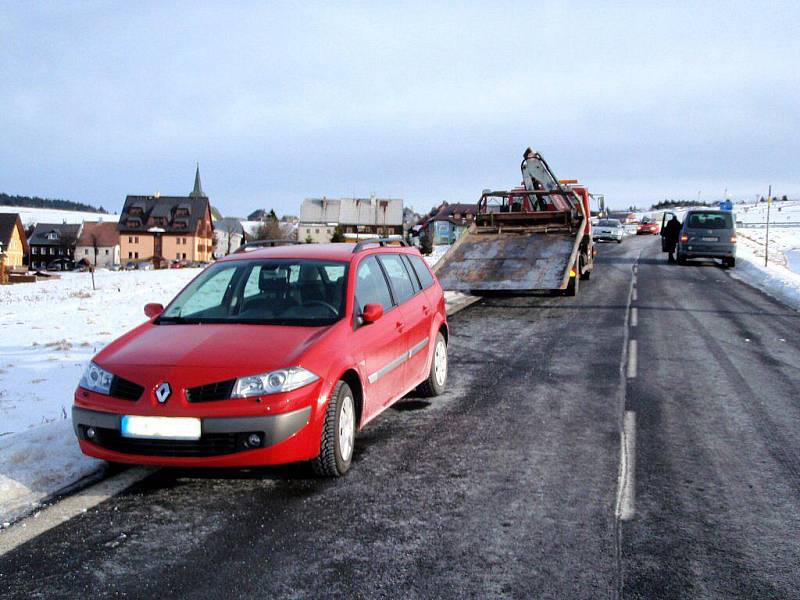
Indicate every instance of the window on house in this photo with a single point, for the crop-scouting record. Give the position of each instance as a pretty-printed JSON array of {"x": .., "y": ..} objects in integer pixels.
[
  {"x": 85, "y": 251},
  {"x": 136, "y": 239},
  {"x": 184, "y": 255},
  {"x": 106, "y": 251},
  {"x": 135, "y": 255},
  {"x": 130, "y": 254},
  {"x": 177, "y": 255},
  {"x": 35, "y": 250},
  {"x": 130, "y": 240}
]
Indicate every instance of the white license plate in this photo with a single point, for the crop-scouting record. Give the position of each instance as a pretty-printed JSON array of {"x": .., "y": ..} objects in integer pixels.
[
  {"x": 167, "y": 428},
  {"x": 709, "y": 239}
]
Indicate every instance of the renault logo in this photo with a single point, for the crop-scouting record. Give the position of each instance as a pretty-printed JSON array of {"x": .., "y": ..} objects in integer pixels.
[{"x": 162, "y": 392}]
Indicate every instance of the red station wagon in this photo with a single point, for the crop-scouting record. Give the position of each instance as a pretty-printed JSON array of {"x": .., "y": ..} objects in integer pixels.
[{"x": 269, "y": 356}]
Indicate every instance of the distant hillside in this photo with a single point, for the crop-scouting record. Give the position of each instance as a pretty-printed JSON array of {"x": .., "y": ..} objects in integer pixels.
[{"x": 35, "y": 202}]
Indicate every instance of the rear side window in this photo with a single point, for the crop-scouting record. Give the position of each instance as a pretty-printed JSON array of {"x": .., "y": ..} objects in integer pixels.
[
  {"x": 398, "y": 276},
  {"x": 710, "y": 221},
  {"x": 425, "y": 277},
  {"x": 371, "y": 286},
  {"x": 410, "y": 269}
]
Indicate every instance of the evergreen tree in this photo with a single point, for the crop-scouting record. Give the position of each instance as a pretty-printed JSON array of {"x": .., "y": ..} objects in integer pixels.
[{"x": 338, "y": 235}]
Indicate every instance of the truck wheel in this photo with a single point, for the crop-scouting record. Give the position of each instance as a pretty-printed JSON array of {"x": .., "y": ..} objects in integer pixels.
[
  {"x": 437, "y": 377},
  {"x": 338, "y": 434},
  {"x": 586, "y": 274},
  {"x": 681, "y": 259}
]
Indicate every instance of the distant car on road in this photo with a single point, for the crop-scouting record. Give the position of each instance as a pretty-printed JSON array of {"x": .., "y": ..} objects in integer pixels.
[
  {"x": 271, "y": 356},
  {"x": 61, "y": 264},
  {"x": 609, "y": 229},
  {"x": 648, "y": 227},
  {"x": 707, "y": 234}
]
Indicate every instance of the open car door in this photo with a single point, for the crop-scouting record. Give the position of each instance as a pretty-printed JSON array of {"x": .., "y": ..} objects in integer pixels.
[{"x": 665, "y": 218}]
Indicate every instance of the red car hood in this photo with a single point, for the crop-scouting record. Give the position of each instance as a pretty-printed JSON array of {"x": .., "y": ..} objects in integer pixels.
[{"x": 245, "y": 348}]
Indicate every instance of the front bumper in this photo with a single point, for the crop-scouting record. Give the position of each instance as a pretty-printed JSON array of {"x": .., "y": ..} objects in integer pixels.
[{"x": 285, "y": 437}]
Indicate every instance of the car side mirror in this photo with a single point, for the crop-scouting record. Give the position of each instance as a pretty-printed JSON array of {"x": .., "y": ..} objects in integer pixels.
[
  {"x": 153, "y": 309},
  {"x": 372, "y": 312}
]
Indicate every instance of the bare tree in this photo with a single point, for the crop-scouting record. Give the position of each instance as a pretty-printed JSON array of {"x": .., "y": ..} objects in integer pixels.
[{"x": 95, "y": 245}]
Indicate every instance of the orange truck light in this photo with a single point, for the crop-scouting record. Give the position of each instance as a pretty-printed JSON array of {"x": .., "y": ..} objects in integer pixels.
[
  {"x": 733, "y": 239},
  {"x": 684, "y": 238},
  {"x": 572, "y": 272}
]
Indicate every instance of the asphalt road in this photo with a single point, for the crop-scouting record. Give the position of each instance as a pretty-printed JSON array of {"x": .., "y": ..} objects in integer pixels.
[{"x": 507, "y": 485}]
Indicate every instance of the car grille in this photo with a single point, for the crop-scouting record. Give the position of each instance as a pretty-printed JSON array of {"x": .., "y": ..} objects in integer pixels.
[
  {"x": 213, "y": 391},
  {"x": 127, "y": 390},
  {"x": 210, "y": 444}
]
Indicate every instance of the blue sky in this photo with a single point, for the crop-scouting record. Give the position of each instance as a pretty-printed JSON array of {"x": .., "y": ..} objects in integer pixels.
[{"x": 424, "y": 101}]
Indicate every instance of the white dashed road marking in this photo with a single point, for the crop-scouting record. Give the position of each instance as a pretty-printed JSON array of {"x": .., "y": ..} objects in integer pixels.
[
  {"x": 626, "y": 494},
  {"x": 632, "y": 359},
  {"x": 634, "y": 317}
]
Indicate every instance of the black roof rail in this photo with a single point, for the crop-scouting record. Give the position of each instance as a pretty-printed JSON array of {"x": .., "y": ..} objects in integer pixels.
[
  {"x": 264, "y": 244},
  {"x": 384, "y": 241}
]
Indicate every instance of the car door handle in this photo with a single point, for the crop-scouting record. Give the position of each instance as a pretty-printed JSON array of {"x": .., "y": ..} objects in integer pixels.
[
  {"x": 426, "y": 310},
  {"x": 399, "y": 326}
]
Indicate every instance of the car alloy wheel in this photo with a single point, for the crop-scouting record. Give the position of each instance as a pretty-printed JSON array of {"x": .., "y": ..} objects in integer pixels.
[
  {"x": 440, "y": 363},
  {"x": 347, "y": 428}
]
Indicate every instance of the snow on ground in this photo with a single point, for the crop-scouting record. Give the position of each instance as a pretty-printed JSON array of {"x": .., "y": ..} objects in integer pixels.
[
  {"x": 780, "y": 277},
  {"x": 50, "y": 330},
  {"x": 437, "y": 253},
  {"x": 31, "y": 216}
]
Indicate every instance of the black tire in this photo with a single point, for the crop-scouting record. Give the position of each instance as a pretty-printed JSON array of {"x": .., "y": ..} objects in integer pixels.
[
  {"x": 330, "y": 462},
  {"x": 681, "y": 260},
  {"x": 619, "y": 241},
  {"x": 586, "y": 275},
  {"x": 729, "y": 263},
  {"x": 431, "y": 386}
]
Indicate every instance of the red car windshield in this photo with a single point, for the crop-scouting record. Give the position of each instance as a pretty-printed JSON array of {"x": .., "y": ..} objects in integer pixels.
[{"x": 272, "y": 292}]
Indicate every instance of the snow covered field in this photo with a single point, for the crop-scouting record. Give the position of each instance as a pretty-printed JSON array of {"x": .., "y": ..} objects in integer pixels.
[
  {"x": 50, "y": 330},
  {"x": 31, "y": 216}
]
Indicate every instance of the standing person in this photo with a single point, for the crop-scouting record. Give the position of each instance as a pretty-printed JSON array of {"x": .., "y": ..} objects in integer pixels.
[{"x": 671, "y": 233}]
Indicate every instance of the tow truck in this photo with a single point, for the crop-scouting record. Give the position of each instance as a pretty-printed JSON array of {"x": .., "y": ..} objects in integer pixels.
[{"x": 533, "y": 237}]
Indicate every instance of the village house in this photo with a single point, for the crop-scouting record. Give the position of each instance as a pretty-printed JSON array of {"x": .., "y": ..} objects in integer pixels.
[
  {"x": 13, "y": 244},
  {"x": 229, "y": 235},
  {"x": 357, "y": 217},
  {"x": 445, "y": 223},
  {"x": 166, "y": 228},
  {"x": 53, "y": 246},
  {"x": 98, "y": 244}
]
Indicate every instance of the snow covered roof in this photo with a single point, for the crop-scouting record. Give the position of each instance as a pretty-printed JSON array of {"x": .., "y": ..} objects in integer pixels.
[{"x": 352, "y": 211}]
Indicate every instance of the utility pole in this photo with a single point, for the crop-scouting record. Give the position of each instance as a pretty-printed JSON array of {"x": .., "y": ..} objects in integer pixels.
[{"x": 766, "y": 243}]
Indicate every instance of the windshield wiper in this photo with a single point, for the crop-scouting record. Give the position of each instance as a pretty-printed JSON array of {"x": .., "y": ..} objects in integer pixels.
[{"x": 178, "y": 320}]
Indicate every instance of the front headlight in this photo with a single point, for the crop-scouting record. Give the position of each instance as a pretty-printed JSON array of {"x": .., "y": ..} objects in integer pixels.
[
  {"x": 282, "y": 380},
  {"x": 96, "y": 379}
]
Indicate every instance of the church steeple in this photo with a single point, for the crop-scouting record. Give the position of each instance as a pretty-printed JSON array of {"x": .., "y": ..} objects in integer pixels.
[{"x": 197, "y": 192}]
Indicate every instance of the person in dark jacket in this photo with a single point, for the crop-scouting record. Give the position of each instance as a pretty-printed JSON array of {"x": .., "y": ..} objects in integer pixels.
[{"x": 671, "y": 233}]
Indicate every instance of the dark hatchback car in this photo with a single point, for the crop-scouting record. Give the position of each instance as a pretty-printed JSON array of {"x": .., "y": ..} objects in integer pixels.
[{"x": 706, "y": 234}]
